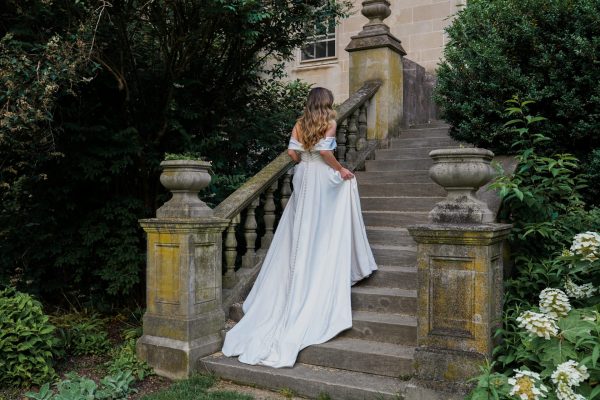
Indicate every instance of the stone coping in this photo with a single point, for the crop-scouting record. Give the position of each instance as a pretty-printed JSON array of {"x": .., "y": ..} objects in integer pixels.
[{"x": 245, "y": 194}]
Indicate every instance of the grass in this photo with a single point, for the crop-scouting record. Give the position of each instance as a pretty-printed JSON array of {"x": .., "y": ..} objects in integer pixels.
[{"x": 195, "y": 388}]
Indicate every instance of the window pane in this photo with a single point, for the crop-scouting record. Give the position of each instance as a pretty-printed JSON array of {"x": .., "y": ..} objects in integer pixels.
[
  {"x": 331, "y": 48},
  {"x": 321, "y": 41},
  {"x": 320, "y": 50},
  {"x": 308, "y": 52}
]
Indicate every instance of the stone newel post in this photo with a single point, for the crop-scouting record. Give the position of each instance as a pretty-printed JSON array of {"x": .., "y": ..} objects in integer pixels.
[
  {"x": 375, "y": 54},
  {"x": 184, "y": 317},
  {"x": 460, "y": 267}
]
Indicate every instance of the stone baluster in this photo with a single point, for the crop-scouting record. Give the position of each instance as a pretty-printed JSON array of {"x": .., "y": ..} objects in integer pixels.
[
  {"x": 352, "y": 137},
  {"x": 341, "y": 140},
  {"x": 249, "y": 259},
  {"x": 269, "y": 209},
  {"x": 286, "y": 189},
  {"x": 230, "y": 253},
  {"x": 362, "y": 127}
]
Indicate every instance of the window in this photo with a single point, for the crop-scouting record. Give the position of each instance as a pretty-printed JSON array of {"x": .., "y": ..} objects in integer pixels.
[{"x": 321, "y": 44}]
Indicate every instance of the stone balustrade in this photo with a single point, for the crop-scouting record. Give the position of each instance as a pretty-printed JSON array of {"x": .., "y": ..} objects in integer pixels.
[{"x": 200, "y": 261}]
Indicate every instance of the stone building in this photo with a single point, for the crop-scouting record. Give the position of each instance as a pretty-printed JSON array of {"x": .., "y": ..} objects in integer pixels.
[{"x": 419, "y": 24}]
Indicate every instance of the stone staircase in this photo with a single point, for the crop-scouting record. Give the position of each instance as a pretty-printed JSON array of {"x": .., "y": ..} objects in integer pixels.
[{"x": 373, "y": 359}]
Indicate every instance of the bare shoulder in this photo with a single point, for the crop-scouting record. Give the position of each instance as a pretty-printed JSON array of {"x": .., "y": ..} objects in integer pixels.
[
  {"x": 295, "y": 131},
  {"x": 331, "y": 128}
]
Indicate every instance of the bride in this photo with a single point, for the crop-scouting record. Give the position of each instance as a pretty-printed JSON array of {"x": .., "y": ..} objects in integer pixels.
[{"x": 320, "y": 248}]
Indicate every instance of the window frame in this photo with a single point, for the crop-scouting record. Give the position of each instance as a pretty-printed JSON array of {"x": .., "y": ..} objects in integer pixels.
[{"x": 328, "y": 37}]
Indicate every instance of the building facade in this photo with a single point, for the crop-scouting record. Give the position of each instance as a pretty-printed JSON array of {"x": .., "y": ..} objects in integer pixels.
[{"x": 419, "y": 24}]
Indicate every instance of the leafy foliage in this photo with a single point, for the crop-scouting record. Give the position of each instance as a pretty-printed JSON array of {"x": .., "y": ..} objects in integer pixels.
[
  {"x": 543, "y": 201},
  {"x": 26, "y": 340},
  {"x": 542, "y": 50},
  {"x": 543, "y": 196},
  {"x": 75, "y": 387},
  {"x": 82, "y": 334},
  {"x": 124, "y": 357},
  {"x": 94, "y": 94}
]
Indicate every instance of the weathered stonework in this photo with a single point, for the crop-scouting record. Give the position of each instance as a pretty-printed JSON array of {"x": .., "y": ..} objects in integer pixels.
[
  {"x": 461, "y": 171},
  {"x": 460, "y": 274},
  {"x": 375, "y": 54},
  {"x": 184, "y": 317}
]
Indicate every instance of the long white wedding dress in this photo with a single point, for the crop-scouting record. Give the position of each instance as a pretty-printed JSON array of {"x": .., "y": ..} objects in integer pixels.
[{"x": 320, "y": 248}]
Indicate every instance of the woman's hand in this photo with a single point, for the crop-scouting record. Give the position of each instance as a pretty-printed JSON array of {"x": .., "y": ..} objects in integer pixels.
[{"x": 346, "y": 174}]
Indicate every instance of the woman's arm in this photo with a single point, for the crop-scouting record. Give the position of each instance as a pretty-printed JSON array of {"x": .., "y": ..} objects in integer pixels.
[
  {"x": 330, "y": 159},
  {"x": 293, "y": 153}
]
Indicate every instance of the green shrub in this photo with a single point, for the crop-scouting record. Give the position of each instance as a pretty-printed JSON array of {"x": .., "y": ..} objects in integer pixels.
[
  {"x": 562, "y": 333},
  {"x": 544, "y": 50},
  {"x": 75, "y": 387},
  {"x": 27, "y": 341},
  {"x": 124, "y": 357},
  {"x": 82, "y": 334},
  {"x": 542, "y": 199}
]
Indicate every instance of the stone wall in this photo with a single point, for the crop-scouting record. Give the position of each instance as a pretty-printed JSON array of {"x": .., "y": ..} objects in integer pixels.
[{"x": 419, "y": 24}]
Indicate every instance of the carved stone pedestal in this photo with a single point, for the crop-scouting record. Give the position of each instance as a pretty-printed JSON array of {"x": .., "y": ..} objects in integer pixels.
[
  {"x": 460, "y": 269},
  {"x": 460, "y": 273},
  {"x": 184, "y": 317},
  {"x": 375, "y": 54}
]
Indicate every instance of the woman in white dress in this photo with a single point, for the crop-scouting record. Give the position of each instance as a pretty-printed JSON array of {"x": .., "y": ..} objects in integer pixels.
[{"x": 320, "y": 248}]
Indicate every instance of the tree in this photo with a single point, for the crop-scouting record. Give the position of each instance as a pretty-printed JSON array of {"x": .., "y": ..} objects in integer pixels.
[
  {"x": 94, "y": 94},
  {"x": 542, "y": 50}
]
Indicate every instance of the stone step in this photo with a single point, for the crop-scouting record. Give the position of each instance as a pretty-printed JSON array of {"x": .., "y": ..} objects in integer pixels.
[
  {"x": 394, "y": 218},
  {"x": 380, "y": 327},
  {"x": 405, "y": 153},
  {"x": 400, "y": 189},
  {"x": 384, "y": 300},
  {"x": 362, "y": 356},
  {"x": 435, "y": 131},
  {"x": 401, "y": 277},
  {"x": 399, "y": 203},
  {"x": 405, "y": 176},
  {"x": 398, "y": 165},
  {"x": 389, "y": 236},
  {"x": 310, "y": 381},
  {"x": 394, "y": 255},
  {"x": 431, "y": 124},
  {"x": 440, "y": 142}
]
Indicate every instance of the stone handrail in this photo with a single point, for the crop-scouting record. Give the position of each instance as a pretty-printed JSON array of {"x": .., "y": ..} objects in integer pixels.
[
  {"x": 262, "y": 189},
  {"x": 243, "y": 196}
]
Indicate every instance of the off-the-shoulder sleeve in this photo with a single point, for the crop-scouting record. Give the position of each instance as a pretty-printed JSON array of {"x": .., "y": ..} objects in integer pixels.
[
  {"x": 295, "y": 145},
  {"x": 327, "y": 143}
]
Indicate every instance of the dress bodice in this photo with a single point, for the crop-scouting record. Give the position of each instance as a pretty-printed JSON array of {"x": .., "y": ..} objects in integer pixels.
[{"x": 326, "y": 143}]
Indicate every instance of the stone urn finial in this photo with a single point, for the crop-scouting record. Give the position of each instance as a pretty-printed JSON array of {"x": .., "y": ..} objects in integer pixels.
[
  {"x": 461, "y": 171},
  {"x": 376, "y": 11},
  {"x": 184, "y": 178}
]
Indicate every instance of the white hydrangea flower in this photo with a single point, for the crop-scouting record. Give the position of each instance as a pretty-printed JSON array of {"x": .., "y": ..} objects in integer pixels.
[
  {"x": 567, "y": 375},
  {"x": 554, "y": 302},
  {"x": 587, "y": 245},
  {"x": 575, "y": 291},
  {"x": 565, "y": 392},
  {"x": 538, "y": 324},
  {"x": 526, "y": 385},
  {"x": 567, "y": 253}
]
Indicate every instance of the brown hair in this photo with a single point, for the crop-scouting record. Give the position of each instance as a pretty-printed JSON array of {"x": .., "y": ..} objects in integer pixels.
[{"x": 314, "y": 121}]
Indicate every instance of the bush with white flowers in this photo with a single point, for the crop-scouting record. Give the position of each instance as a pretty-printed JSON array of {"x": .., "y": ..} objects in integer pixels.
[
  {"x": 587, "y": 245},
  {"x": 558, "y": 349}
]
